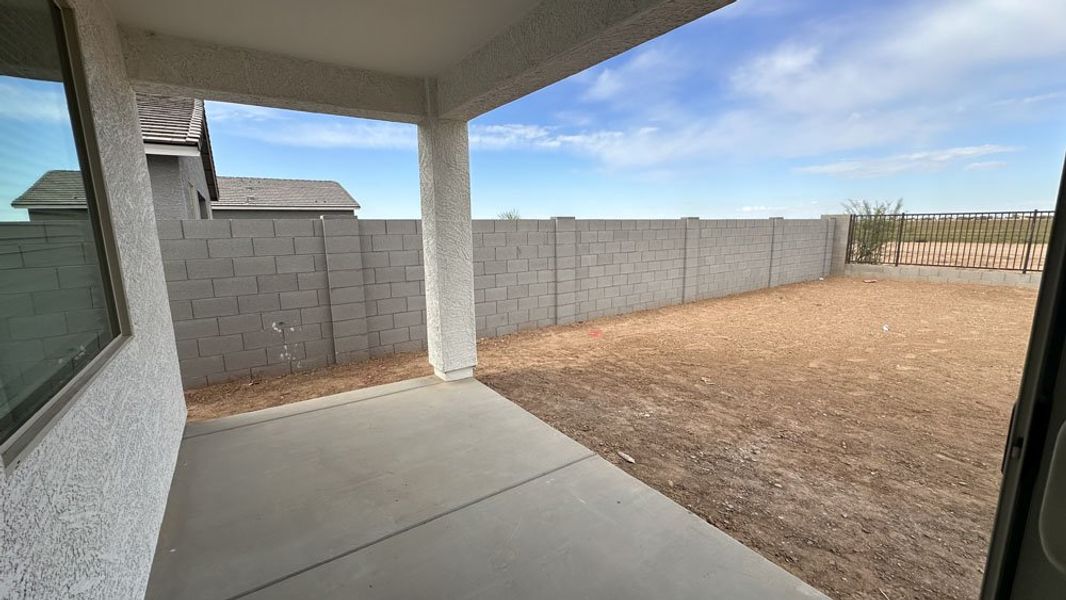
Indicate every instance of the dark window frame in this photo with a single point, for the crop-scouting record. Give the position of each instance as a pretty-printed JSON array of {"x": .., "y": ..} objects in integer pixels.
[{"x": 14, "y": 449}]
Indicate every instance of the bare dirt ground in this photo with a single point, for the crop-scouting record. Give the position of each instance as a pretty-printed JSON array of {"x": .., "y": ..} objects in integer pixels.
[{"x": 850, "y": 432}]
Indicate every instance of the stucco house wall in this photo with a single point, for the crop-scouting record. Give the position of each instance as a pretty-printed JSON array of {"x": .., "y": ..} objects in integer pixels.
[
  {"x": 172, "y": 178},
  {"x": 82, "y": 511},
  {"x": 57, "y": 214}
]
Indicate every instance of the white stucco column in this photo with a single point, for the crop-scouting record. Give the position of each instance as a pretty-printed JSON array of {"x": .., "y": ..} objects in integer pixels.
[{"x": 447, "y": 244}]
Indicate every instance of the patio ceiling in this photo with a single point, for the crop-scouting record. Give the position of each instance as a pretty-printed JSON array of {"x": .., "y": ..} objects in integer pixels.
[
  {"x": 399, "y": 61},
  {"x": 415, "y": 38}
]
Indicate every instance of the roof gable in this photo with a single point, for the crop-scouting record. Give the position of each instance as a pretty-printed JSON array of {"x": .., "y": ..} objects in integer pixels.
[
  {"x": 170, "y": 119},
  {"x": 54, "y": 189},
  {"x": 258, "y": 192}
]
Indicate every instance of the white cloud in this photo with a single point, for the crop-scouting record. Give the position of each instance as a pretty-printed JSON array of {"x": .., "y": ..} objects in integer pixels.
[
  {"x": 903, "y": 74},
  {"x": 24, "y": 101},
  {"x": 744, "y": 9},
  {"x": 353, "y": 134},
  {"x": 223, "y": 112},
  {"x": 605, "y": 85},
  {"x": 1031, "y": 100},
  {"x": 919, "y": 52},
  {"x": 288, "y": 128},
  {"x": 930, "y": 160},
  {"x": 985, "y": 165},
  {"x": 648, "y": 81},
  {"x": 291, "y": 128},
  {"x": 508, "y": 136},
  {"x": 761, "y": 209}
]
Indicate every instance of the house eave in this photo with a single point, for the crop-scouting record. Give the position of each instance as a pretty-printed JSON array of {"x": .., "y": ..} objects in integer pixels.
[
  {"x": 49, "y": 206},
  {"x": 171, "y": 149}
]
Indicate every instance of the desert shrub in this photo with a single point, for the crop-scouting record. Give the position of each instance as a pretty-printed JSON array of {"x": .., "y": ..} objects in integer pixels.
[{"x": 875, "y": 228}]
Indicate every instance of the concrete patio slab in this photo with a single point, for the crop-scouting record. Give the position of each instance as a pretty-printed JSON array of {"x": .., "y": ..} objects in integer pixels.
[
  {"x": 424, "y": 489},
  {"x": 585, "y": 531}
]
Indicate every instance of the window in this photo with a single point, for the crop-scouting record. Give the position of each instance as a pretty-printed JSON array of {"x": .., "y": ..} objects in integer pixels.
[
  {"x": 58, "y": 317},
  {"x": 205, "y": 210}
]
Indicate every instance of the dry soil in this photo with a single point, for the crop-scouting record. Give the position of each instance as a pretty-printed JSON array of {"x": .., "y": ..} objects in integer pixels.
[{"x": 850, "y": 432}]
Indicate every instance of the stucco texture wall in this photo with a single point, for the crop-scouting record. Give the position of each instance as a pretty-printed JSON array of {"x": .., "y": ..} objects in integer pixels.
[
  {"x": 172, "y": 177},
  {"x": 80, "y": 516}
]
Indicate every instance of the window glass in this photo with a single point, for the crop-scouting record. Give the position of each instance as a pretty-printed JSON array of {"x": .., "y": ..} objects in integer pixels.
[{"x": 55, "y": 307}]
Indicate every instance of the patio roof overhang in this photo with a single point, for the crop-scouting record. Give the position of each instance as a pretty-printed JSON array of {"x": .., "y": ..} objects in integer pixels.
[{"x": 382, "y": 60}]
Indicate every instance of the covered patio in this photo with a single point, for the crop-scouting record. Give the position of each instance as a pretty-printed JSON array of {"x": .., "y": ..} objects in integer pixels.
[
  {"x": 436, "y": 487},
  {"x": 429, "y": 489}
]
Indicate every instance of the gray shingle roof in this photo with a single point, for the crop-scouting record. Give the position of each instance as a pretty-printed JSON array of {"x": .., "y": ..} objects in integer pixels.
[
  {"x": 170, "y": 119},
  {"x": 260, "y": 192},
  {"x": 54, "y": 189}
]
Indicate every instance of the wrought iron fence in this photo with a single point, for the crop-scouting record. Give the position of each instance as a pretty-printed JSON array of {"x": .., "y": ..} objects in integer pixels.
[{"x": 1013, "y": 241}]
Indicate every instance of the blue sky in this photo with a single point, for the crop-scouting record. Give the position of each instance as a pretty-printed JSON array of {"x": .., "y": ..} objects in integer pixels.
[
  {"x": 763, "y": 108},
  {"x": 36, "y": 137}
]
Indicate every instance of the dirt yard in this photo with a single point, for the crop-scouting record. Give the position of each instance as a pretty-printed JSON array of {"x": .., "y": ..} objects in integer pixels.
[{"x": 850, "y": 432}]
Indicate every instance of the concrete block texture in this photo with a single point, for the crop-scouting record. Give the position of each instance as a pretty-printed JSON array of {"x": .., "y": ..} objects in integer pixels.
[{"x": 363, "y": 282}]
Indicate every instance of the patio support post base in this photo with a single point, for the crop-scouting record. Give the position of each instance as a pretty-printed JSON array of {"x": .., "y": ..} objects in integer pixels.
[
  {"x": 447, "y": 245},
  {"x": 455, "y": 375}
]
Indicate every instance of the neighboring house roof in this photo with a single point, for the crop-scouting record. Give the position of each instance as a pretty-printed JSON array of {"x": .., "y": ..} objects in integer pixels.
[
  {"x": 54, "y": 189},
  {"x": 164, "y": 120},
  {"x": 170, "y": 119},
  {"x": 178, "y": 121},
  {"x": 244, "y": 193}
]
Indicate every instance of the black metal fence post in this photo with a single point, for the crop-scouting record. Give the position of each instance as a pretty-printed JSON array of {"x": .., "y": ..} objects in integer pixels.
[
  {"x": 851, "y": 236},
  {"x": 1029, "y": 242},
  {"x": 899, "y": 237}
]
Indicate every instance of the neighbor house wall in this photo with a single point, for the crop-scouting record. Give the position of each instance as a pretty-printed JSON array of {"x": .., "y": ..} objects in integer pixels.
[
  {"x": 192, "y": 174},
  {"x": 81, "y": 512},
  {"x": 172, "y": 177},
  {"x": 267, "y": 297},
  {"x": 54, "y": 214}
]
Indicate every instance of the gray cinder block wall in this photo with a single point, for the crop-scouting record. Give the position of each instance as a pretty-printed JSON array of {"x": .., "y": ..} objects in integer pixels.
[
  {"x": 841, "y": 225},
  {"x": 248, "y": 297},
  {"x": 260, "y": 297}
]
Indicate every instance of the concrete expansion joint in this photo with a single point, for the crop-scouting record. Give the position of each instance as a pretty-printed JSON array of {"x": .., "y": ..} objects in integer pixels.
[{"x": 413, "y": 526}]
